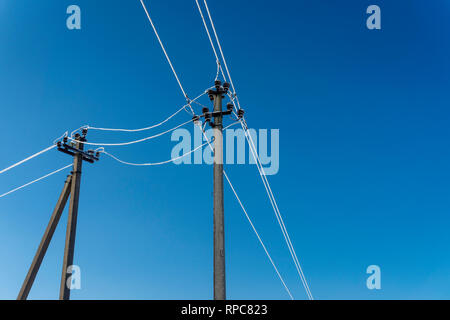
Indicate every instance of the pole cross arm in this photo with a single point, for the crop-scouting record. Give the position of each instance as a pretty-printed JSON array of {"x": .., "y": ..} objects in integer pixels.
[{"x": 88, "y": 156}]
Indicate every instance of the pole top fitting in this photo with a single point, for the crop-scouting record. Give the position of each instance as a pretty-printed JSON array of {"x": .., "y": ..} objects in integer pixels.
[
  {"x": 196, "y": 119},
  {"x": 226, "y": 86}
]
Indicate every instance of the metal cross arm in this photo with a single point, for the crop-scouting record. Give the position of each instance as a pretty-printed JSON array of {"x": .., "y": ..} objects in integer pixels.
[{"x": 69, "y": 148}]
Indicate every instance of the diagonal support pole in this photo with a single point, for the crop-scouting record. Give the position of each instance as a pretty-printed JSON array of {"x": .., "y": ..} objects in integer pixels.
[
  {"x": 64, "y": 291},
  {"x": 46, "y": 239}
]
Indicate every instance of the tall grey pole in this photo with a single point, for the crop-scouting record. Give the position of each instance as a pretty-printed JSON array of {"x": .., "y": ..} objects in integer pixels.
[
  {"x": 219, "y": 232},
  {"x": 46, "y": 238},
  {"x": 64, "y": 291}
]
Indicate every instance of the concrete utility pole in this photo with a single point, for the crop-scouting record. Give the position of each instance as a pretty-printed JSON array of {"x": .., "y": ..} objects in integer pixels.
[
  {"x": 216, "y": 95},
  {"x": 47, "y": 237},
  {"x": 72, "y": 189},
  {"x": 219, "y": 226},
  {"x": 64, "y": 291}
]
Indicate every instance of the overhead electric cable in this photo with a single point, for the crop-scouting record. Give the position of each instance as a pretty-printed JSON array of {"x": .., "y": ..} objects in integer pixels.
[
  {"x": 276, "y": 210},
  {"x": 29, "y": 183},
  {"x": 165, "y": 53},
  {"x": 137, "y": 130},
  {"x": 257, "y": 235},
  {"x": 219, "y": 66},
  {"x": 135, "y": 141},
  {"x": 29, "y": 158},
  {"x": 153, "y": 163},
  {"x": 221, "y": 52}
]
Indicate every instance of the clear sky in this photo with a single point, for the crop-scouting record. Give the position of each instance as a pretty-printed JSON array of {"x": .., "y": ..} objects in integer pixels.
[{"x": 364, "y": 147}]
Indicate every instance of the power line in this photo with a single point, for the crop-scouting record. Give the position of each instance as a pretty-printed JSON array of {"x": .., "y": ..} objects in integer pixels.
[
  {"x": 162, "y": 162},
  {"x": 257, "y": 234},
  {"x": 276, "y": 210},
  {"x": 219, "y": 67},
  {"x": 153, "y": 163},
  {"x": 165, "y": 53},
  {"x": 135, "y": 141},
  {"x": 221, "y": 51},
  {"x": 29, "y": 158},
  {"x": 39, "y": 179},
  {"x": 140, "y": 129}
]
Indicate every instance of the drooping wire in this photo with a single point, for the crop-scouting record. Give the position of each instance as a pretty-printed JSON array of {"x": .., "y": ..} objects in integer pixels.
[
  {"x": 248, "y": 217},
  {"x": 165, "y": 53},
  {"x": 140, "y": 129},
  {"x": 28, "y": 158},
  {"x": 231, "y": 125},
  {"x": 34, "y": 181},
  {"x": 153, "y": 163},
  {"x": 102, "y": 150},
  {"x": 135, "y": 141}
]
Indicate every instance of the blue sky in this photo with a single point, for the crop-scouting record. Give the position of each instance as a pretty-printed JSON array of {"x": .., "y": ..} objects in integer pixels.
[{"x": 364, "y": 147}]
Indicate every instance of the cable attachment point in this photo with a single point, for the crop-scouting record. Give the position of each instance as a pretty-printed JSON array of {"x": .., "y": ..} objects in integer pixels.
[
  {"x": 206, "y": 114},
  {"x": 196, "y": 120},
  {"x": 226, "y": 87},
  {"x": 240, "y": 113},
  {"x": 73, "y": 148}
]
